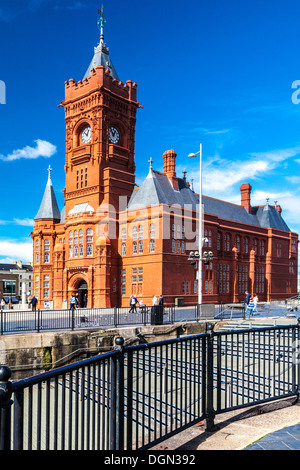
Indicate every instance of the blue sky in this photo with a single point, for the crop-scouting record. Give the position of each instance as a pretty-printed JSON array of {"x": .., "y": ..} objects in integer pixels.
[{"x": 220, "y": 72}]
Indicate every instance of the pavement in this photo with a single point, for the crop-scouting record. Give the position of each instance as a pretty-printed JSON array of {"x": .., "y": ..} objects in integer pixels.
[{"x": 271, "y": 426}]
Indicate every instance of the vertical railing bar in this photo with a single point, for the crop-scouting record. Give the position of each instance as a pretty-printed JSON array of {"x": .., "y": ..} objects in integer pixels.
[
  {"x": 47, "y": 429},
  {"x": 129, "y": 402},
  {"x": 88, "y": 405},
  {"x": 39, "y": 416},
  {"x": 70, "y": 419},
  {"x": 93, "y": 425},
  {"x": 56, "y": 407},
  {"x": 29, "y": 424},
  {"x": 76, "y": 414},
  {"x": 155, "y": 394},
  {"x": 113, "y": 404},
  {"x": 149, "y": 395},
  {"x": 143, "y": 400},
  {"x": 18, "y": 435},
  {"x": 219, "y": 371},
  {"x": 137, "y": 399},
  {"x": 82, "y": 407},
  {"x": 63, "y": 412}
]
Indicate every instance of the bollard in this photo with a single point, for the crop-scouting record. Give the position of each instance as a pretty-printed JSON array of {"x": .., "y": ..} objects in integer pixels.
[{"x": 5, "y": 404}]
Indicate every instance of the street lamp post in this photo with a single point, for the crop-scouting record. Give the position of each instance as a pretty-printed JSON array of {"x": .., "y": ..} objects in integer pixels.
[{"x": 200, "y": 240}]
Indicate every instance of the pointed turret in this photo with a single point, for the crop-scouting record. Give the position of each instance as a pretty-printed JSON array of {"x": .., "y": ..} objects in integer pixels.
[
  {"x": 101, "y": 52},
  {"x": 49, "y": 208}
]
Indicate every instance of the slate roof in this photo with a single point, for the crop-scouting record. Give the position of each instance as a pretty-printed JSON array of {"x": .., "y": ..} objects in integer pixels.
[
  {"x": 158, "y": 189},
  {"x": 101, "y": 57},
  {"x": 9, "y": 266},
  {"x": 48, "y": 208}
]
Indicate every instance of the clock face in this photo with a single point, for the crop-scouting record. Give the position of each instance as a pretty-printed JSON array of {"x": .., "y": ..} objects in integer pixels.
[
  {"x": 113, "y": 135},
  {"x": 86, "y": 135}
]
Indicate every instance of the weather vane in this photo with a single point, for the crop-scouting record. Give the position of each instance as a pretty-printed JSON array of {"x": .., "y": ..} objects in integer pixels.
[{"x": 101, "y": 22}]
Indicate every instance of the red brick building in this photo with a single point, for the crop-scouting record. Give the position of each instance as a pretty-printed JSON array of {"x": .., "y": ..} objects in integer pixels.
[{"x": 112, "y": 239}]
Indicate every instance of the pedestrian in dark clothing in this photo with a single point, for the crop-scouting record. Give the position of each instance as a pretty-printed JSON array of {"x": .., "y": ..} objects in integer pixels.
[
  {"x": 133, "y": 302},
  {"x": 248, "y": 297},
  {"x": 33, "y": 303}
]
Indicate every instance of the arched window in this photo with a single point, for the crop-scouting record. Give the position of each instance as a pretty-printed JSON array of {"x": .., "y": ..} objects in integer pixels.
[
  {"x": 134, "y": 248},
  {"x": 89, "y": 241},
  {"x": 237, "y": 243},
  {"x": 134, "y": 233},
  {"x": 254, "y": 246},
  {"x": 141, "y": 232},
  {"x": 152, "y": 231},
  {"x": 245, "y": 245},
  {"x": 262, "y": 247},
  {"x": 226, "y": 242},
  {"x": 46, "y": 251},
  {"x": 124, "y": 235},
  {"x": 219, "y": 241},
  {"x": 152, "y": 246},
  {"x": 141, "y": 246},
  {"x": 123, "y": 249}
]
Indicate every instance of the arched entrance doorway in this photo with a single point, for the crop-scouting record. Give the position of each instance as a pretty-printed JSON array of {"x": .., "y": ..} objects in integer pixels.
[{"x": 82, "y": 290}]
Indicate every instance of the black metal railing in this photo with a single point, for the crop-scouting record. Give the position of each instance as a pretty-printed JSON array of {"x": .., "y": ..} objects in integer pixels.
[
  {"x": 135, "y": 397},
  {"x": 13, "y": 321}
]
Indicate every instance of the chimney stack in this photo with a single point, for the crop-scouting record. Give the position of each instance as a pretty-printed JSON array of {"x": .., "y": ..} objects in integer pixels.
[
  {"x": 169, "y": 163},
  {"x": 246, "y": 196}
]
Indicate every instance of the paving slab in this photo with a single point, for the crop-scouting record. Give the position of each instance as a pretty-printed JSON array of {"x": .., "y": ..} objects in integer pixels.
[{"x": 244, "y": 429}]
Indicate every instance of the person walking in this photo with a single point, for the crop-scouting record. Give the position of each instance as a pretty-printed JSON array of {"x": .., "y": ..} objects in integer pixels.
[
  {"x": 250, "y": 307},
  {"x": 33, "y": 303},
  {"x": 2, "y": 304},
  {"x": 255, "y": 300},
  {"x": 248, "y": 297},
  {"x": 72, "y": 303},
  {"x": 133, "y": 301}
]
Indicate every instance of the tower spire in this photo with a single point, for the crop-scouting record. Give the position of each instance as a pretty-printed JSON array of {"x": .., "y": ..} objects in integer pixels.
[
  {"x": 101, "y": 22},
  {"x": 101, "y": 52}
]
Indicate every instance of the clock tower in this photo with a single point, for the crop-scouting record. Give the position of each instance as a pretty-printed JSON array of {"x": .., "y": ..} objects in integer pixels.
[
  {"x": 79, "y": 256},
  {"x": 100, "y": 115}
]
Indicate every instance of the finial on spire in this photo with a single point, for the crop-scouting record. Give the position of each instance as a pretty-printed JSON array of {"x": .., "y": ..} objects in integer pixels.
[
  {"x": 101, "y": 22},
  {"x": 184, "y": 174},
  {"x": 150, "y": 162},
  {"x": 192, "y": 184},
  {"x": 49, "y": 169},
  {"x": 268, "y": 200}
]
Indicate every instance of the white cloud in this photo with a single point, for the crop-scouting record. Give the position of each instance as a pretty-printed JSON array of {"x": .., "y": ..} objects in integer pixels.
[
  {"x": 25, "y": 222},
  {"x": 16, "y": 250},
  {"x": 42, "y": 149}
]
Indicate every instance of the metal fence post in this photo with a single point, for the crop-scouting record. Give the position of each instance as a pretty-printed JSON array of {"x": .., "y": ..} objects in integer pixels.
[
  {"x": 5, "y": 407},
  {"x": 38, "y": 321},
  {"x": 117, "y": 398},
  {"x": 210, "y": 412}
]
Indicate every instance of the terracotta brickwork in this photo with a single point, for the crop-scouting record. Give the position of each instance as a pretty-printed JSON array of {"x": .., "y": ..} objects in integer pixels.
[{"x": 110, "y": 241}]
